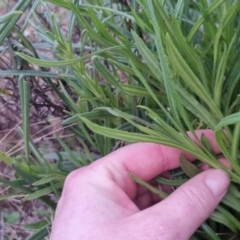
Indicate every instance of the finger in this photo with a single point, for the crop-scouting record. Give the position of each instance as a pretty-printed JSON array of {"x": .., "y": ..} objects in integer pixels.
[
  {"x": 145, "y": 198},
  {"x": 185, "y": 209},
  {"x": 222, "y": 160},
  {"x": 145, "y": 160}
]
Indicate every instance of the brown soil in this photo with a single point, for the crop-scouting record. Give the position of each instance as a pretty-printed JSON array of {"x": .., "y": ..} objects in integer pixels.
[{"x": 46, "y": 112}]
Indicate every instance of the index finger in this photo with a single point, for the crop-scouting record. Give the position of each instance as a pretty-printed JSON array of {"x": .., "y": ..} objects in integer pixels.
[{"x": 147, "y": 160}]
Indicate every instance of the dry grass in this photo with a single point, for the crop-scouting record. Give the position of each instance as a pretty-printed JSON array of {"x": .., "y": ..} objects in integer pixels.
[{"x": 46, "y": 113}]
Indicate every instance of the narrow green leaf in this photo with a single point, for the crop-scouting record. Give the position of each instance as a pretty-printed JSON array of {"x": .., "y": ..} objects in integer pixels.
[
  {"x": 148, "y": 57},
  {"x": 25, "y": 172},
  {"x": 231, "y": 200},
  {"x": 134, "y": 90},
  {"x": 228, "y": 120},
  {"x": 235, "y": 224},
  {"x": 45, "y": 63},
  {"x": 8, "y": 160},
  {"x": 189, "y": 168},
  {"x": 210, "y": 233},
  {"x": 9, "y": 196},
  {"x": 40, "y": 234},
  {"x": 6, "y": 28},
  {"x": 235, "y": 143},
  {"x": 101, "y": 29},
  {"x": 9, "y": 16},
  {"x": 37, "y": 225},
  {"x": 196, "y": 108},
  {"x": 206, "y": 143},
  {"x": 196, "y": 26},
  {"x": 220, "y": 218},
  {"x": 222, "y": 137},
  {"x": 120, "y": 135},
  {"x": 24, "y": 92},
  {"x": 170, "y": 182},
  {"x": 190, "y": 78},
  {"x": 105, "y": 72},
  {"x": 191, "y": 56},
  {"x": 42, "y": 192},
  {"x": 150, "y": 90},
  {"x": 221, "y": 71},
  {"x": 172, "y": 96},
  {"x": 152, "y": 189},
  {"x": 49, "y": 178},
  {"x": 71, "y": 156},
  {"x": 36, "y": 151}
]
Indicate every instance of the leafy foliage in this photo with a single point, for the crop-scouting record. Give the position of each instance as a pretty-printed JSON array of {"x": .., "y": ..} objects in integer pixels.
[{"x": 180, "y": 59}]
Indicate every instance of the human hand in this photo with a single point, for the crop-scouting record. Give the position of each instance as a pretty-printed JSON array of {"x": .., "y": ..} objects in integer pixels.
[{"x": 101, "y": 201}]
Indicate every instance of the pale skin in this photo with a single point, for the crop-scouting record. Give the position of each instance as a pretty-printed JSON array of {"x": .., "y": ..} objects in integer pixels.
[{"x": 101, "y": 201}]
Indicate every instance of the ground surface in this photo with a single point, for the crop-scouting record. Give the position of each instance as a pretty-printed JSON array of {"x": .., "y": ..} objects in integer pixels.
[{"x": 45, "y": 120}]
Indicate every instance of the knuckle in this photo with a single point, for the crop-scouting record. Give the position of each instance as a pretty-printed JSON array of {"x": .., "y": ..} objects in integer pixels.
[
  {"x": 74, "y": 177},
  {"x": 80, "y": 176}
]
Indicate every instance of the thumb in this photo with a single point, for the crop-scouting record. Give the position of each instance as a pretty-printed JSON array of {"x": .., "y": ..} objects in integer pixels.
[{"x": 181, "y": 214}]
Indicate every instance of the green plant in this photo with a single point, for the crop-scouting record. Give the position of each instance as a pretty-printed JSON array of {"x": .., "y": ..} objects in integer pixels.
[{"x": 180, "y": 59}]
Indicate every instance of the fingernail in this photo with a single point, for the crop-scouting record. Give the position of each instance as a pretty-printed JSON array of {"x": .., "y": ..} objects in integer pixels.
[{"x": 217, "y": 181}]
